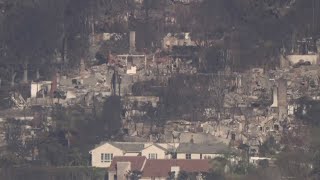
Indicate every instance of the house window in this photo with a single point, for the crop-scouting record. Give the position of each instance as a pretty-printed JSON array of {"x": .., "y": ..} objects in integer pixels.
[
  {"x": 106, "y": 157},
  {"x": 188, "y": 156},
  {"x": 153, "y": 156}
]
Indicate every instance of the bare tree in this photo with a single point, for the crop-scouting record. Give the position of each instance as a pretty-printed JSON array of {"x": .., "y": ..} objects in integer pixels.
[{"x": 217, "y": 90}]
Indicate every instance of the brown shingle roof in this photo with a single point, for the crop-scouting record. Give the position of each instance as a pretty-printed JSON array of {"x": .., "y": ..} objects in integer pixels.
[
  {"x": 137, "y": 162},
  {"x": 162, "y": 167}
]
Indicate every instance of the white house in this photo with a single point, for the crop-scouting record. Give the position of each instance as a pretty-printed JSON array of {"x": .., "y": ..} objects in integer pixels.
[
  {"x": 201, "y": 151},
  {"x": 157, "y": 151},
  {"x": 102, "y": 155}
]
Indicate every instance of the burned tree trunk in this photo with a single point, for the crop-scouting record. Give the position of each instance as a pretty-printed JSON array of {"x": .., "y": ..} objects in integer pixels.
[
  {"x": 25, "y": 72},
  {"x": 13, "y": 77},
  {"x": 37, "y": 74}
]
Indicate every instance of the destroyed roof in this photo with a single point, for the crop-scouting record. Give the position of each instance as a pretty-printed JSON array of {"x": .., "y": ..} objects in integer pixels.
[
  {"x": 13, "y": 113},
  {"x": 179, "y": 122},
  {"x": 184, "y": 51},
  {"x": 182, "y": 35},
  {"x": 128, "y": 146},
  {"x": 217, "y": 148}
]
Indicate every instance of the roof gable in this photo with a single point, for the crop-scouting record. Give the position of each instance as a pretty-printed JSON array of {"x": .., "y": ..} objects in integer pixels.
[
  {"x": 157, "y": 146},
  {"x": 123, "y": 146},
  {"x": 104, "y": 145}
]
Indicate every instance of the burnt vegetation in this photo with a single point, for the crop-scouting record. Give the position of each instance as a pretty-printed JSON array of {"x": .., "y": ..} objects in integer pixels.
[{"x": 41, "y": 37}]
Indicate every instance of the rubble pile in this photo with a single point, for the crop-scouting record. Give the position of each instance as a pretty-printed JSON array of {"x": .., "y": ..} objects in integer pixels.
[{"x": 18, "y": 101}]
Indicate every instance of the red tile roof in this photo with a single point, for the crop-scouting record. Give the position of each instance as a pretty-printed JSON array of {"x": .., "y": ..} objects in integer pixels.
[
  {"x": 162, "y": 167},
  {"x": 136, "y": 162}
]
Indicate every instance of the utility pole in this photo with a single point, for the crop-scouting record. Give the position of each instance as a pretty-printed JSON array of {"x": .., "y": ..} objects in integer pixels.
[
  {"x": 313, "y": 17},
  {"x": 119, "y": 84},
  {"x": 114, "y": 82}
]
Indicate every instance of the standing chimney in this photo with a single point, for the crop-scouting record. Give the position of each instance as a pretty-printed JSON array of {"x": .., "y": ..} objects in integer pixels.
[
  {"x": 282, "y": 98},
  {"x": 176, "y": 170},
  {"x": 132, "y": 42},
  {"x": 275, "y": 96},
  {"x": 123, "y": 168}
]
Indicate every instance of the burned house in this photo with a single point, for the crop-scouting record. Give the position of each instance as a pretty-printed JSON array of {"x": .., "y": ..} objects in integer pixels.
[
  {"x": 279, "y": 94},
  {"x": 179, "y": 39},
  {"x": 40, "y": 89},
  {"x": 138, "y": 113},
  {"x": 304, "y": 52},
  {"x": 184, "y": 59}
]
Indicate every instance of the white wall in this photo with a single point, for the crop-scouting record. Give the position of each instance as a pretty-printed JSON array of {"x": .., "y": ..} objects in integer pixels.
[
  {"x": 255, "y": 160},
  {"x": 175, "y": 170},
  {"x": 111, "y": 175},
  {"x": 212, "y": 156},
  {"x": 106, "y": 148},
  {"x": 313, "y": 59},
  {"x": 122, "y": 169},
  {"x": 132, "y": 70},
  {"x": 153, "y": 149},
  {"x": 197, "y": 156},
  {"x": 291, "y": 109},
  {"x": 131, "y": 154},
  {"x": 169, "y": 41},
  {"x": 275, "y": 97},
  {"x": 35, "y": 87}
]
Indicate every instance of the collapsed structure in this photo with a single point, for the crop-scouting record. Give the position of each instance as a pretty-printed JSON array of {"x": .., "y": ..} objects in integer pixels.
[{"x": 229, "y": 107}]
